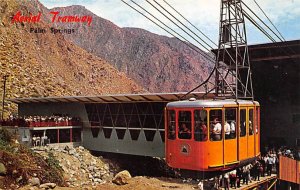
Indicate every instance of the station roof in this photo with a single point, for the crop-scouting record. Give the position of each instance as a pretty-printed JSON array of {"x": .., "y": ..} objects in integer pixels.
[
  {"x": 116, "y": 98},
  {"x": 287, "y": 51}
]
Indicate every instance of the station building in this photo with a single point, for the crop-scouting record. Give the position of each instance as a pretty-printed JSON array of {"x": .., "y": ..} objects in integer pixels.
[{"x": 129, "y": 124}]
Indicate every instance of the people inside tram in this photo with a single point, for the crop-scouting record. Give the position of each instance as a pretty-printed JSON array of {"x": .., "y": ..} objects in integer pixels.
[
  {"x": 216, "y": 130},
  {"x": 200, "y": 131},
  {"x": 184, "y": 132},
  {"x": 227, "y": 130},
  {"x": 250, "y": 128},
  {"x": 232, "y": 129},
  {"x": 172, "y": 132},
  {"x": 243, "y": 129}
]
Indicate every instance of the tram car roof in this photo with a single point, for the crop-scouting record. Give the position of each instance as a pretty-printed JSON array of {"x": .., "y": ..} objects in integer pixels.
[{"x": 193, "y": 103}]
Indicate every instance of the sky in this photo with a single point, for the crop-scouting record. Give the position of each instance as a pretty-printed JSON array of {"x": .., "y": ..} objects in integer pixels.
[{"x": 204, "y": 14}]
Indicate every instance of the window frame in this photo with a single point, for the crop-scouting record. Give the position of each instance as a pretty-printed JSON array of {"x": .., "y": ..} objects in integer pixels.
[
  {"x": 252, "y": 121},
  {"x": 179, "y": 124},
  {"x": 210, "y": 121},
  {"x": 230, "y": 123},
  {"x": 242, "y": 135},
  {"x": 195, "y": 134},
  {"x": 168, "y": 124}
]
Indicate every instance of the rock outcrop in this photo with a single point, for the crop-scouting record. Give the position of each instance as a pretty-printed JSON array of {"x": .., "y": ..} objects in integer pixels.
[{"x": 80, "y": 167}]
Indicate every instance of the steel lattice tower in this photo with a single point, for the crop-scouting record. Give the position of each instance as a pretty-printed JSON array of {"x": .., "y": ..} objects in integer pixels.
[{"x": 233, "y": 74}]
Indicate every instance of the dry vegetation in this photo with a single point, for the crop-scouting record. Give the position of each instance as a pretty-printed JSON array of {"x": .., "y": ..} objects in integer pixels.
[{"x": 22, "y": 164}]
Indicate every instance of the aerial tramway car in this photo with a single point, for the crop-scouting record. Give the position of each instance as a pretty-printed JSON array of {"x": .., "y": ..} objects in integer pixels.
[{"x": 212, "y": 135}]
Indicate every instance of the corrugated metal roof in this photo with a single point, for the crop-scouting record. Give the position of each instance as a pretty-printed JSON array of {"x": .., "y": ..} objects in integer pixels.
[{"x": 115, "y": 98}]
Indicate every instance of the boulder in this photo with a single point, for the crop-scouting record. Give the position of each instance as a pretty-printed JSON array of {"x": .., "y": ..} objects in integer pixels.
[
  {"x": 34, "y": 181},
  {"x": 48, "y": 185},
  {"x": 3, "y": 170},
  {"x": 122, "y": 178},
  {"x": 81, "y": 148},
  {"x": 72, "y": 151}
]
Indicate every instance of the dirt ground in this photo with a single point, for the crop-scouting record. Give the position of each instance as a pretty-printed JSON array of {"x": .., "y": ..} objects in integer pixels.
[
  {"x": 137, "y": 183},
  {"x": 147, "y": 183},
  {"x": 76, "y": 163}
]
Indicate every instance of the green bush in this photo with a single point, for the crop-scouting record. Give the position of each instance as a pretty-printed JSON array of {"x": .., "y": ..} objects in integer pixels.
[
  {"x": 53, "y": 162},
  {"x": 5, "y": 137}
]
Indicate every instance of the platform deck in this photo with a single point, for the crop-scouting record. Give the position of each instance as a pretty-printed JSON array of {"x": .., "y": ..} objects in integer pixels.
[{"x": 254, "y": 184}]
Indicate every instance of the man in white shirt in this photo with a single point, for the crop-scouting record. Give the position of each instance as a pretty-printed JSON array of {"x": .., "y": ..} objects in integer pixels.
[
  {"x": 227, "y": 130},
  {"x": 232, "y": 130},
  {"x": 217, "y": 130}
]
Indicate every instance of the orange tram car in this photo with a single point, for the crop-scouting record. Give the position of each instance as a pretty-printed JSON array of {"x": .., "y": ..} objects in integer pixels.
[{"x": 211, "y": 136}]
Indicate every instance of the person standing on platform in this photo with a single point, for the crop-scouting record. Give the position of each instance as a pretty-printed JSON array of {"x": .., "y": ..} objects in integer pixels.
[
  {"x": 269, "y": 165},
  {"x": 226, "y": 181}
]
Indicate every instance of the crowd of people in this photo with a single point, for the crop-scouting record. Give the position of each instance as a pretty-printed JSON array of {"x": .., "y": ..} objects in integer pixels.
[
  {"x": 265, "y": 165},
  {"x": 40, "y": 121}
]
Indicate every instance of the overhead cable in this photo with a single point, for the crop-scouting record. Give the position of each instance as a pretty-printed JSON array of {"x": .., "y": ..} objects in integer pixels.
[
  {"x": 182, "y": 24},
  {"x": 261, "y": 21},
  {"x": 177, "y": 25},
  {"x": 269, "y": 20},
  {"x": 258, "y": 26},
  {"x": 190, "y": 23},
  {"x": 185, "y": 41}
]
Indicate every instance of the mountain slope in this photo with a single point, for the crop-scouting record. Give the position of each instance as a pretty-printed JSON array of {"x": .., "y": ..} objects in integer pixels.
[
  {"x": 47, "y": 64},
  {"x": 158, "y": 63}
]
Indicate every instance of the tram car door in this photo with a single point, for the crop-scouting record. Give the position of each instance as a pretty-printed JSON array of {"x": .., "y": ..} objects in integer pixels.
[
  {"x": 243, "y": 140},
  {"x": 251, "y": 143},
  {"x": 230, "y": 142}
]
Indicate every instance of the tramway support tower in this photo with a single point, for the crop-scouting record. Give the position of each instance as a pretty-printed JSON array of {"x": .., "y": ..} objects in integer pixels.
[{"x": 233, "y": 73}]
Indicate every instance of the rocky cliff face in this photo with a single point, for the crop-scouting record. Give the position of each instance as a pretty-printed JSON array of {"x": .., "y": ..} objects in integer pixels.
[
  {"x": 46, "y": 64},
  {"x": 158, "y": 63}
]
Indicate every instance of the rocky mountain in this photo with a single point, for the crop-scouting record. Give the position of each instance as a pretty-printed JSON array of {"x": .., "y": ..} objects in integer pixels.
[
  {"x": 158, "y": 63},
  {"x": 46, "y": 64}
]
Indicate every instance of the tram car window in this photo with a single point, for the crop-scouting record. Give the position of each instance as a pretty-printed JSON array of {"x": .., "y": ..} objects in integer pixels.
[
  {"x": 185, "y": 125},
  {"x": 230, "y": 123},
  {"x": 171, "y": 125},
  {"x": 215, "y": 127},
  {"x": 251, "y": 121},
  {"x": 200, "y": 130},
  {"x": 242, "y": 122}
]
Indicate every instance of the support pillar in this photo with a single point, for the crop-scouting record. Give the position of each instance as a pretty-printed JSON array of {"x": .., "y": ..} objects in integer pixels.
[
  {"x": 71, "y": 135},
  {"x": 57, "y": 135}
]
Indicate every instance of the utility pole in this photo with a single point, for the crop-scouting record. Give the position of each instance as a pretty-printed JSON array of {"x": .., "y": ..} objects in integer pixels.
[{"x": 3, "y": 97}]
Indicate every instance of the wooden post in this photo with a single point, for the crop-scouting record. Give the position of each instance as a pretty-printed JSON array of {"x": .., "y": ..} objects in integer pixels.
[{"x": 57, "y": 135}]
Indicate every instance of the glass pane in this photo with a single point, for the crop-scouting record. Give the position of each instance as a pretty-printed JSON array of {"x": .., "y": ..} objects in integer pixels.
[
  {"x": 215, "y": 118},
  {"x": 171, "y": 125},
  {"x": 242, "y": 123},
  {"x": 200, "y": 118},
  {"x": 184, "y": 124},
  {"x": 250, "y": 121},
  {"x": 230, "y": 123}
]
